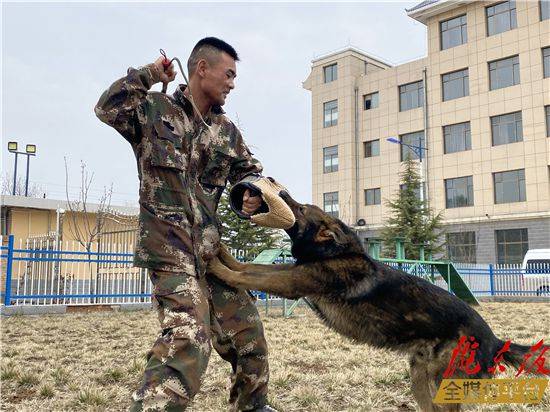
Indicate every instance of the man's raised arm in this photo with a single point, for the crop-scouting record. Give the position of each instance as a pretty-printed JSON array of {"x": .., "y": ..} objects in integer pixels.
[{"x": 122, "y": 105}]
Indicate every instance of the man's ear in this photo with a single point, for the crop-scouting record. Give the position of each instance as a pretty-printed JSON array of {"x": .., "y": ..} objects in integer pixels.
[
  {"x": 333, "y": 232},
  {"x": 201, "y": 67}
]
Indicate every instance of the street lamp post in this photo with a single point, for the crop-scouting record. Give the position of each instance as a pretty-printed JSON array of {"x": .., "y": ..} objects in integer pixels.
[
  {"x": 30, "y": 150},
  {"x": 418, "y": 150}
]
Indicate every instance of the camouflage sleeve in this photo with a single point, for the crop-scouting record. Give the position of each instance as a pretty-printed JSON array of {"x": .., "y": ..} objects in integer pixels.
[
  {"x": 244, "y": 164},
  {"x": 121, "y": 106}
]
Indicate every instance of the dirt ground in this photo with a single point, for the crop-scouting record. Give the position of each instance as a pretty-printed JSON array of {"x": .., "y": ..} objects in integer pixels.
[{"x": 93, "y": 361}]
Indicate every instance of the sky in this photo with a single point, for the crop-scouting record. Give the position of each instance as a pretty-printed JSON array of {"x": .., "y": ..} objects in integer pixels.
[{"x": 57, "y": 59}]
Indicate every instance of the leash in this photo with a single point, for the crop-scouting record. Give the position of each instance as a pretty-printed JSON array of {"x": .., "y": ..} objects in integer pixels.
[{"x": 166, "y": 63}]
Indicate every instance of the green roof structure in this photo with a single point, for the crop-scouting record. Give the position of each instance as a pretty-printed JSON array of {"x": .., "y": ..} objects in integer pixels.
[{"x": 268, "y": 256}]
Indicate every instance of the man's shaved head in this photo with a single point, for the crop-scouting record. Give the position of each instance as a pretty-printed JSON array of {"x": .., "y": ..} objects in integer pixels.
[{"x": 209, "y": 49}]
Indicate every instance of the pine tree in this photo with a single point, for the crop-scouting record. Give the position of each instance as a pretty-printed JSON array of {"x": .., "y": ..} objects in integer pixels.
[
  {"x": 244, "y": 236},
  {"x": 411, "y": 219}
]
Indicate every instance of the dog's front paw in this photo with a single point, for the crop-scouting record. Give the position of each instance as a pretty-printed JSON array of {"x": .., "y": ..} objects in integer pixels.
[
  {"x": 215, "y": 266},
  {"x": 218, "y": 269}
]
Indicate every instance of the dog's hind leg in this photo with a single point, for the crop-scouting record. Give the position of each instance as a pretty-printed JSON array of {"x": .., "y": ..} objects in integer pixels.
[
  {"x": 420, "y": 385},
  {"x": 424, "y": 387}
]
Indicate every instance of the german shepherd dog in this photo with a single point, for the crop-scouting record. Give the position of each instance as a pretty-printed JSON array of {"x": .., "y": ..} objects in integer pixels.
[{"x": 370, "y": 302}]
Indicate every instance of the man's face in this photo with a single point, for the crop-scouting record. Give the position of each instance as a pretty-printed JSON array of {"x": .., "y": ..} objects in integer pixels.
[{"x": 219, "y": 79}]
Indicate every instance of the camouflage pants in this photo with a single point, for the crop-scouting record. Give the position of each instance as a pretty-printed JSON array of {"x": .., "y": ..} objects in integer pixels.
[{"x": 195, "y": 313}]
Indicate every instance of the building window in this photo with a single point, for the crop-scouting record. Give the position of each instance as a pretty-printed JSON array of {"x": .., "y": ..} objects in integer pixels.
[
  {"x": 501, "y": 17},
  {"x": 509, "y": 186},
  {"x": 330, "y": 203},
  {"x": 330, "y": 159},
  {"x": 544, "y": 6},
  {"x": 453, "y": 32},
  {"x": 331, "y": 72},
  {"x": 416, "y": 140},
  {"x": 331, "y": 113},
  {"x": 546, "y": 61},
  {"x": 455, "y": 85},
  {"x": 504, "y": 73},
  {"x": 411, "y": 96},
  {"x": 371, "y": 101},
  {"x": 403, "y": 186},
  {"x": 457, "y": 138},
  {"x": 372, "y": 148},
  {"x": 459, "y": 192},
  {"x": 461, "y": 247},
  {"x": 512, "y": 245},
  {"x": 506, "y": 128},
  {"x": 547, "y": 110},
  {"x": 372, "y": 196}
]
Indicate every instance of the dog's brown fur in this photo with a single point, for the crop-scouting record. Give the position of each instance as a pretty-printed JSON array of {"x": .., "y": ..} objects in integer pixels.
[{"x": 370, "y": 302}]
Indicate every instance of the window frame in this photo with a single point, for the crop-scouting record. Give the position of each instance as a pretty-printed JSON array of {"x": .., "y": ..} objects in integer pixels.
[
  {"x": 513, "y": 22},
  {"x": 518, "y": 136},
  {"x": 495, "y": 62},
  {"x": 417, "y": 193},
  {"x": 523, "y": 242},
  {"x": 333, "y": 167},
  {"x": 502, "y": 182},
  {"x": 333, "y": 121},
  {"x": 372, "y": 95},
  {"x": 547, "y": 117},
  {"x": 465, "y": 84},
  {"x": 365, "y": 148},
  {"x": 333, "y": 70},
  {"x": 405, "y": 149},
  {"x": 331, "y": 198},
  {"x": 376, "y": 197},
  {"x": 463, "y": 243},
  {"x": 546, "y": 62},
  {"x": 419, "y": 91},
  {"x": 463, "y": 31},
  {"x": 467, "y": 138},
  {"x": 453, "y": 204},
  {"x": 541, "y": 16}
]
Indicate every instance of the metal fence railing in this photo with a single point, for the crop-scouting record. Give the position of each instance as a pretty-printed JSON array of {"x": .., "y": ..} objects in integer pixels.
[
  {"x": 492, "y": 279},
  {"x": 68, "y": 274}
]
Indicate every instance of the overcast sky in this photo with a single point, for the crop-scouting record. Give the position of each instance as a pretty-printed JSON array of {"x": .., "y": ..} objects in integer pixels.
[{"x": 57, "y": 59}]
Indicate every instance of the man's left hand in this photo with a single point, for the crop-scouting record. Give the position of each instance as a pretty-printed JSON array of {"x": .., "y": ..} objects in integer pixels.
[{"x": 251, "y": 203}]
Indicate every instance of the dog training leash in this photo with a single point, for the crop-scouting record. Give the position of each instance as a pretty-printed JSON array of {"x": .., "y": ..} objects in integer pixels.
[{"x": 166, "y": 63}]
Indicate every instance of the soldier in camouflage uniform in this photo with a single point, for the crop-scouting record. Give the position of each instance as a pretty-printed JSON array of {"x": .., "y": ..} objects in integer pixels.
[{"x": 184, "y": 160}]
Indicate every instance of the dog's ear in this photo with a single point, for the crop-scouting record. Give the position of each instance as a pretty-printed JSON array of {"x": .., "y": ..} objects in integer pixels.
[{"x": 333, "y": 232}]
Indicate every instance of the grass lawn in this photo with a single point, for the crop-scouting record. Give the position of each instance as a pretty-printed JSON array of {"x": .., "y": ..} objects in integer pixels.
[{"x": 93, "y": 361}]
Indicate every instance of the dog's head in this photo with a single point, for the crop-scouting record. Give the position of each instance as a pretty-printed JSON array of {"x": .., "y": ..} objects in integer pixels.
[{"x": 318, "y": 235}]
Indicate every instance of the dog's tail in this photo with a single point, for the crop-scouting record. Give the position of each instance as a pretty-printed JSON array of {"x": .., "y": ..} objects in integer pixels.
[
  {"x": 521, "y": 356},
  {"x": 515, "y": 356}
]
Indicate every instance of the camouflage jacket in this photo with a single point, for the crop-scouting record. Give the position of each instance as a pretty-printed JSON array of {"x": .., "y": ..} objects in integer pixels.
[{"x": 183, "y": 169}]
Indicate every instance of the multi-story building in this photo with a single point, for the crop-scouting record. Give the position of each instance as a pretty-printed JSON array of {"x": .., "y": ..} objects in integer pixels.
[{"x": 477, "y": 108}]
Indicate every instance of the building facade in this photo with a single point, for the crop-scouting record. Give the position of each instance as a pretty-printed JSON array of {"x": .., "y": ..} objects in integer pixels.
[
  {"x": 476, "y": 110},
  {"x": 29, "y": 217}
]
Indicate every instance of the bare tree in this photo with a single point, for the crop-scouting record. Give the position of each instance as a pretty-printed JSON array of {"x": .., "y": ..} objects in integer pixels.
[
  {"x": 88, "y": 232},
  {"x": 34, "y": 190}
]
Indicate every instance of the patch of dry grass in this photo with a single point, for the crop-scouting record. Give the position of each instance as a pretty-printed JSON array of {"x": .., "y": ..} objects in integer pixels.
[{"x": 94, "y": 361}]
